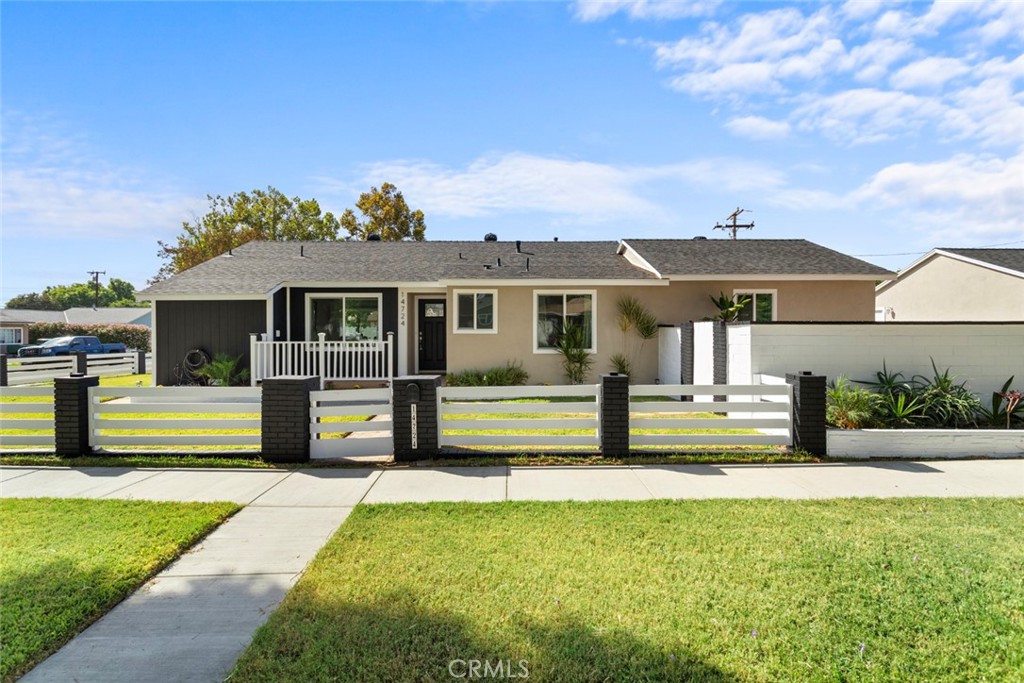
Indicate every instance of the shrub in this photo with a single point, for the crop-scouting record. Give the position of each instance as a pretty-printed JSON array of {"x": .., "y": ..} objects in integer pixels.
[
  {"x": 223, "y": 371},
  {"x": 509, "y": 376},
  {"x": 848, "y": 406},
  {"x": 132, "y": 336},
  {"x": 576, "y": 359},
  {"x": 946, "y": 403}
]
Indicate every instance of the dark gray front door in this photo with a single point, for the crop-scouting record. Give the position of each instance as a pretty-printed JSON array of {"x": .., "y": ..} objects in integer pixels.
[{"x": 432, "y": 340}]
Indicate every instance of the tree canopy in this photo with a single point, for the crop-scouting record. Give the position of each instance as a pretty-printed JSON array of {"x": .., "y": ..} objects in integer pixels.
[
  {"x": 385, "y": 213},
  {"x": 115, "y": 294},
  {"x": 243, "y": 217}
]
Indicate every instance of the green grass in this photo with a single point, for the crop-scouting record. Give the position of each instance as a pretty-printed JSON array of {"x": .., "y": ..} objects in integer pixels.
[
  {"x": 841, "y": 590},
  {"x": 66, "y": 562}
]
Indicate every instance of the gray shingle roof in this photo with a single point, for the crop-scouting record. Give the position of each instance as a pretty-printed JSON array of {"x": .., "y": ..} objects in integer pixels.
[
  {"x": 1012, "y": 259},
  {"x": 258, "y": 267},
  {"x": 28, "y": 315},
  {"x": 749, "y": 257}
]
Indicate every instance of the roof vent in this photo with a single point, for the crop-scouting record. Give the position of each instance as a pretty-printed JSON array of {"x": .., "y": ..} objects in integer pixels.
[
  {"x": 556, "y": 239},
  {"x": 490, "y": 237},
  {"x": 519, "y": 246},
  {"x": 228, "y": 254},
  {"x": 699, "y": 238},
  {"x": 373, "y": 237}
]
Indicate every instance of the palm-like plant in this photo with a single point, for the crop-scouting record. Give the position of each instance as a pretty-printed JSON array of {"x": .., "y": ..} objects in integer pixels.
[
  {"x": 223, "y": 371},
  {"x": 576, "y": 359},
  {"x": 728, "y": 308}
]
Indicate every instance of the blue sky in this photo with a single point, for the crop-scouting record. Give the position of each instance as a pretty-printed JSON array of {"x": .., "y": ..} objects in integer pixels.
[{"x": 876, "y": 129}]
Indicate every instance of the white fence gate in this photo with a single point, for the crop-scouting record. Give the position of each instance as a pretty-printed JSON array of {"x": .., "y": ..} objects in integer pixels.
[
  {"x": 347, "y": 423},
  {"x": 532, "y": 418},
  {"x": 167, "y": 416},
  {"x": 26, "y": 422},
  {"x": 751, "y": 415}
]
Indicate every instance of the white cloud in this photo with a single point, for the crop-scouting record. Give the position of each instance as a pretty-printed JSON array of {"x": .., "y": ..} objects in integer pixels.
[
  {"x": 581, "y": 190},
  {"x": 866, "y": 114},
  {"x": 968, "y": 195},
  {"x": 757, "y": 128},
  {"x": 928, "y": 73},
  {"x": 597, "y": 10},
  {"x": 54, "y": 185}
]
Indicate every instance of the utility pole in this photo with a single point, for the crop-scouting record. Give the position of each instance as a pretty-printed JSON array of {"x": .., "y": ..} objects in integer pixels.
[
  {"x": 96, "y": 286},
  {"x": 735, "y": 225}
]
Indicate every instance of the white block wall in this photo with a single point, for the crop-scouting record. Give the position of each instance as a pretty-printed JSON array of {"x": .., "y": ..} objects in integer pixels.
[
  {"x": 925, "y": 443},
  {"x": 985, "y": 355},
  {"x": 670, "y": 360},
  {"x": 703, "y": 356}
]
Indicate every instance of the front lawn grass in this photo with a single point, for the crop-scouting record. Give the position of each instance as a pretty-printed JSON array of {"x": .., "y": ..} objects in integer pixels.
[
  {"x": 718, "y": 590},
  {"x": 64, "y": 563}
]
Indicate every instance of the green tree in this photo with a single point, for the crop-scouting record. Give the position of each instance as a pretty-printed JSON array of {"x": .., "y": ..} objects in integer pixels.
[
  {"x": 116, "y": 293},
  {"x": 385, "y": 213},
  {"x": 32, "y": 302},
  {"x": 240, "y": 218}
]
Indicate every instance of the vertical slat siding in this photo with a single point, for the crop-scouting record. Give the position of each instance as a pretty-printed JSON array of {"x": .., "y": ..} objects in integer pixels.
[{"x": 214, "y": 326}]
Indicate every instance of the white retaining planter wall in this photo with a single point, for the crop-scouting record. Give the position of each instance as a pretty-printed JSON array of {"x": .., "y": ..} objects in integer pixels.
[{"x": 924, "y": 443}]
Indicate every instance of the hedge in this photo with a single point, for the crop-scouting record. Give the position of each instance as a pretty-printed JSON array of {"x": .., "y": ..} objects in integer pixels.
[{"x": 132, "y": 336}]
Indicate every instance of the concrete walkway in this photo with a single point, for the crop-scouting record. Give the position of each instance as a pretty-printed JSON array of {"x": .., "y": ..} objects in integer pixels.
[{"x": 194, "y": 619}]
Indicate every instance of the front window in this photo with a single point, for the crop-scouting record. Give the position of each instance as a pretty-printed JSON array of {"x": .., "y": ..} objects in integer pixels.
[
  {"x": 475, "y": 311},
  {"x": 759, "y": 306},
  {"x": 10, "y": 335},
  {"x": 346, "y": 318},
  {"x": 555, "y": 310}
]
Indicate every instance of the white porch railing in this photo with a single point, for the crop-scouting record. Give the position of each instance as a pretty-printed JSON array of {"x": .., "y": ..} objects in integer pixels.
[{"x": 331, "y": 360}]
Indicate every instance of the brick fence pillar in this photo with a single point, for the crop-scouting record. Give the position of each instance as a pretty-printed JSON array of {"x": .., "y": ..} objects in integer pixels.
[
  {"x": 284, "y": 424},
  {"x": 139, "y": 362},
  {"x": 686, "y": 351},
  {"x": 71, "y": 415},
  {"x": 720, "y": 356},
  {"x": 614, "y": 415},
  {"x": 415, "y": 439},
  {"x": 3, "y": 369},
  {"x": 808, "y": 412}
]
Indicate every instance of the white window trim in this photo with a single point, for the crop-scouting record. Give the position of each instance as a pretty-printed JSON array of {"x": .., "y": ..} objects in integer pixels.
[
  {"x": 19, "y": 334},
  {"x": 775, "y": 300},
  {"x": 344, "y": 295},
  {"x": 455, "y": 311},
  {"x": 537, "y": 293}
]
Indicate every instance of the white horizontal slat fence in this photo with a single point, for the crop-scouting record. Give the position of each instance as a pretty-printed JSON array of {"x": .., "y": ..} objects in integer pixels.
[
  {"x": 181, "y": 417},
  {"x": 26, "y": 425},
  {"x": 762, "y": 411},
  {"x": 352, "y": 436},
  {"x": 530, "y": 421}
]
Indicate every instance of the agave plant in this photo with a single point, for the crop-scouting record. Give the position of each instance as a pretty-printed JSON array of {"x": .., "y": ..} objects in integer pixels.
[
  {"x": 947, "y": 403},
  {"x": 728, "y": 308}
]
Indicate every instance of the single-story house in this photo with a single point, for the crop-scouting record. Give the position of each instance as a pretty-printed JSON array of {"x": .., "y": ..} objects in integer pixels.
[
  {"x": 458, "y": 305},
  {"x": 15, "y": 322},
  {"x": 957, "y": 285}
]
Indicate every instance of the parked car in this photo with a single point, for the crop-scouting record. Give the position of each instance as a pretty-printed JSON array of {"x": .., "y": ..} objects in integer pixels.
[{"x": 64, "y": 346}]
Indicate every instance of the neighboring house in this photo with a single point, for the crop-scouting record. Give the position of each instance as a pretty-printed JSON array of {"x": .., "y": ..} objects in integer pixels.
[
  {"x": 14, "y": 323},
  {"x": 956, "y": 285},
  {"x": 459, "y": 305}
]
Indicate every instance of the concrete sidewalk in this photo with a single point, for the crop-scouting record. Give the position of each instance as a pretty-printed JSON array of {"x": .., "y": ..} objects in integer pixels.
[
  {"x": 194, "y": 619},
  {"x": 339, "y": 487}
]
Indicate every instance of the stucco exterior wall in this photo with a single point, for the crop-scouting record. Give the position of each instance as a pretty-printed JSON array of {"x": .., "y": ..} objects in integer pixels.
[
  {"x": 671, "y": 304},
  {"x": 946, "y": 289}
]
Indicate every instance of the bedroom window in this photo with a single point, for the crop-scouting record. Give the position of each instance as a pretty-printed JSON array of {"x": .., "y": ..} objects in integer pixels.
[
  {"x": 352, "y": 317},
  {"x": 760, "y": 308},
  {"x": 476, "y": 311},
  {"x": 10, "y": 335},
  {"x": 554, "y": 310}
]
